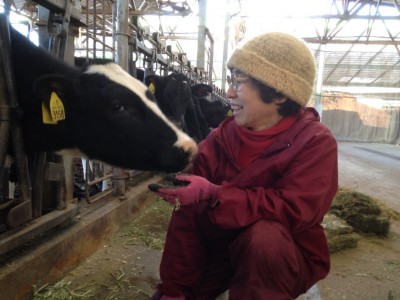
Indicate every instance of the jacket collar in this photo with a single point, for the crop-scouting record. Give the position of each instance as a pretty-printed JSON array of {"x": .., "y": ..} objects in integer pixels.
[{"x": 226, "y": 136}]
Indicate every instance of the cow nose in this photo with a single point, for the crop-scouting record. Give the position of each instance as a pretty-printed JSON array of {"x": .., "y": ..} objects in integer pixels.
[{"x": 190, "y": 147}]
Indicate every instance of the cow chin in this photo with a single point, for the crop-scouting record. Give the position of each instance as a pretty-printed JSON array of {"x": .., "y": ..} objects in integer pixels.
[
  {"x": 166, "y": 162},
  {"x": 169, "y": 159},
  {"x": 174, "y": 161}
]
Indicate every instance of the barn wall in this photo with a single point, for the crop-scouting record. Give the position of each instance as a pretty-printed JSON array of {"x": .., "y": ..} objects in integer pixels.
[{"x": 352, "y": 121}]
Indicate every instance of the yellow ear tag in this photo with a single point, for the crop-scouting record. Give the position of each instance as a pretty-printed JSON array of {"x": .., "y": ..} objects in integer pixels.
[
  {"x": 46, "y": 116},
  {"x": 152, "y": 88},
  {"x": 56, "y": 108}
]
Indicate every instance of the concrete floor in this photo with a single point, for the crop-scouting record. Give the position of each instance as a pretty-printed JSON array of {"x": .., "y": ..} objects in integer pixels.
[{"x": 373, "y": 169}]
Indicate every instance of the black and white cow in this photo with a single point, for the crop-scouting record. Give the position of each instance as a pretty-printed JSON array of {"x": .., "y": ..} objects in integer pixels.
[
  {"x": 199, "y": 91},
  {"x": 214, "y": 109},
  {"x": 189, "y": 106},
  {"x": 173, "y": 95},
  {"x": 103, "y": 111}
]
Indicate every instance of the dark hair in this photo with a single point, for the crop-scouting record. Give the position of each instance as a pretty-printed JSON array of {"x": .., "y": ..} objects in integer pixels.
[{"x": 267, "y": 94}]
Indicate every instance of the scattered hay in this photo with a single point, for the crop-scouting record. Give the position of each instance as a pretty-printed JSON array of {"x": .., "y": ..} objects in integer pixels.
[
  {"x": 133, "y": 235},
  {"x": 391, "y": 296},
  {"x": 340, "y": 235},
  {"x": 342, "y": 242},
  {"x": 361, "y": 211},
  {"x": 392, "y": 214},
  {"x": 62, "y": 291},
  {"x": 150, "y": 227}
]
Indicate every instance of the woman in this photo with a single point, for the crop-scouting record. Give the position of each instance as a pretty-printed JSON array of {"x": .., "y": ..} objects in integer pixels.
[{"x": 249, "y": 217}]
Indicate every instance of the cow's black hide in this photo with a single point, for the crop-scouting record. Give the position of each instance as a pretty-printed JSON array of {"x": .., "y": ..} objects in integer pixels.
[
  {"x": 188, "y": 106},
  {"x": 213, "y": 109},
  {"x": 173, "y": 95},
  {"x": 101, "y": 110}
]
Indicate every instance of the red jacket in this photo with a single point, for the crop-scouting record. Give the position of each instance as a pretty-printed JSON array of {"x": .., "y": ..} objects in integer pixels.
[{"x": 293, "y": 182}]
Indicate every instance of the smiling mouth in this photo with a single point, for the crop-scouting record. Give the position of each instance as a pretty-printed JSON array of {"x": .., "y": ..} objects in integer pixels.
[{"x": 236, "y": 107}]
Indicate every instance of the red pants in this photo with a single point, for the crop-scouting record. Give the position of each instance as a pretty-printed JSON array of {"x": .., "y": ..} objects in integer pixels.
[{"x": 201, "y": 261}]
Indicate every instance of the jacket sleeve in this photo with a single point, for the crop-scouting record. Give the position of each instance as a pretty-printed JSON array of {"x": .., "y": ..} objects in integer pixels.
[{"x": 298, "y": 197}]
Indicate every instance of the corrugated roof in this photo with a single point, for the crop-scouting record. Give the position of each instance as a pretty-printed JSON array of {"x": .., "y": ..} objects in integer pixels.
[{"x": 369, "y": 57}]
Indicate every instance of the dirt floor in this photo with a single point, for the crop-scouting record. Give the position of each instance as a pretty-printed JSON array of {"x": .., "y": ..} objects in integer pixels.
[{"x": 127, "y": 265}]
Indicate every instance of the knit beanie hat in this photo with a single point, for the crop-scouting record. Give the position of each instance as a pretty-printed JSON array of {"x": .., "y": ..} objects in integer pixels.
[{"x": 280, "y": 61}]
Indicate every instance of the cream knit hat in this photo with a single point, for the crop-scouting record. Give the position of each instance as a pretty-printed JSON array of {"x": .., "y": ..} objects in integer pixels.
[{"x": 280, "y": 61}]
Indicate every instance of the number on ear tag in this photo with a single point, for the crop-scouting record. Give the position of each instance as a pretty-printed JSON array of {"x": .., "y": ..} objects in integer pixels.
[
  {"x": 46, "y": 116},
  {"x": 56, "y": 108}
]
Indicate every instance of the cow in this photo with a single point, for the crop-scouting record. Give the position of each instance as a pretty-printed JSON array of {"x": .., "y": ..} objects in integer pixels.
[
  {"x": 199, "y": 91},
  {"x": 214, "y": 109},
  {"x": 188, "y": 106},
  {"x": 173, "y": 95},
  {"x": 101, "y": 110}
]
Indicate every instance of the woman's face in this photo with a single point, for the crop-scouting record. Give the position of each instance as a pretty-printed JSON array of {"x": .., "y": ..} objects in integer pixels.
[{"x": 248, "y": 108}]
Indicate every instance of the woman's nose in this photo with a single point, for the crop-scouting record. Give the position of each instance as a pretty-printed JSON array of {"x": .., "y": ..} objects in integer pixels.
[{"x": 231, "y": 92}]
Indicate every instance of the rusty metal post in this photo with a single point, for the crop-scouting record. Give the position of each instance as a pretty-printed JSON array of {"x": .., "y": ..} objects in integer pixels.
[
  {"x": 122, "y": 36},
  {"x": 201, "y": 42},
  {"x": 226, "y": 44},
  {"x": 22, "y": 212}
]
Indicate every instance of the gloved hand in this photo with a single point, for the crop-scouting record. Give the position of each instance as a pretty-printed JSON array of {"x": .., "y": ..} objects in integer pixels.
[{"x": 186, "y": 189}]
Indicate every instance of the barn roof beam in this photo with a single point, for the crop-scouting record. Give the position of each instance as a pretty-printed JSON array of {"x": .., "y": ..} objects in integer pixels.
[
  {"x": 313, "y": 40},
  {"x": 58, "y": 6},
  {"x": 350, "y": 17},
  {"x": 337, "y": 65},
  {"x": 388, "y": 69},
  {"x": 351, "y": 10},
  {"x": 363, "y": 67},
  {"x": 356, "y": 84},
  {"x": 133, "y": 12},
  {"x": 349, "y": 65}
]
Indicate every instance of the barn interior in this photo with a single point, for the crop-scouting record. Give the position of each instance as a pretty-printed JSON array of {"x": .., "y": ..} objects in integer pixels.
[{"x": 357, "y": 92}]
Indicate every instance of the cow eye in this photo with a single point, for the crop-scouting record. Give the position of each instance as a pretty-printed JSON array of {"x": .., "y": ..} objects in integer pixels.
[{"x": 118, "y": 107}]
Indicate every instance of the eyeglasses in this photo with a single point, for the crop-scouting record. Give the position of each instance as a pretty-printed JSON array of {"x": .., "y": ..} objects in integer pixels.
[{"x": 236, "y": 80}]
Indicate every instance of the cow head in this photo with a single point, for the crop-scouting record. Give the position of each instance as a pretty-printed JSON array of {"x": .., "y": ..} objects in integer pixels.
[
  {"x": 114, "y": 118},
  {"x": 214, "y": 110},
  {"x": 173, "y": 95}
]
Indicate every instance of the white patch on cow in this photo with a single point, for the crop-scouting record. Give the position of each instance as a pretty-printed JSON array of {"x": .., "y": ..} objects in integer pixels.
[{"x": 115, "y": 73}]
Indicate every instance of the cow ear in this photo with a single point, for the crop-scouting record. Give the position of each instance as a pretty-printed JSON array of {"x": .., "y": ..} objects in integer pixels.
[
  {"x": 201, "y": 90},
  {"x": 152, "y": 82},
  {"x": 46, "y": 85},
  {"x": 54, "y": 92}
]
